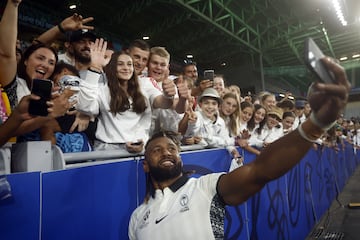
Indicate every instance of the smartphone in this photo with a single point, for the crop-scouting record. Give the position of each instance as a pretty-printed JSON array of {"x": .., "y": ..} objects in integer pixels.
[
  {"x": 209, "y": 74},
  {"x": 136, "y": 143},
  {"x": 41, "y": 88},
  {"x": 313, "y": 56}
]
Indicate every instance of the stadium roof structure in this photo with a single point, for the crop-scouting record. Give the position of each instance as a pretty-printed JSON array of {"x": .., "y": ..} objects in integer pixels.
[{"x": 266, "y": 35}]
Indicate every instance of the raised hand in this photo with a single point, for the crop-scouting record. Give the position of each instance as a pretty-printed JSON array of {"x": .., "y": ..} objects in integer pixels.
[
  {"x": 76, "y": 22},
  {"x": 99, "y": 59},
  {"x": 183, "y": 89},
  {"x": 192, "y": 115},
  {"x": 169, "y": 88},
  {"x": 328, "y": 100}
]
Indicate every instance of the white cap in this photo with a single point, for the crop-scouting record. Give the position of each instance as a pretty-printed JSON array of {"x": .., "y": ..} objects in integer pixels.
[{"x": 210, "y": 92}]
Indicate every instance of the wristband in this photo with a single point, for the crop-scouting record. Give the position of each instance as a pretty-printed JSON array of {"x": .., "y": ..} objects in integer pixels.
[
  {"x": 310, "y": 131},
  {"x": 61, "y": 29},
  {"x": 92, "y": 69},
  {"x": 324, "y": 127},
  {"x": 303, "y": 134}
]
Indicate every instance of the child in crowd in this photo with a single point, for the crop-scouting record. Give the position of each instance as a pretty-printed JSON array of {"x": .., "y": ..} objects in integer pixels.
[
  {"x": 258, "y": 119},
  {"x": 273, "y": 128},
  {"x": 286, "y": 104},
  {"x": 230, "y": 112},
  {"x": 271, "y": 131},
  {"x": 61, "y": 131},
  {"x": 255, "y": 127},
  {"x": 299, "y": 112},
  {"x": 267, "y": 99},
  {"x": 209, "y": 125},
  {"x": 287, "y": 122},
  {"x": 235, "y": 90},
  {"x": 246, "y": 113},
  {"x": 219, "y": 84},
  {"x": 247, "y": 110}
]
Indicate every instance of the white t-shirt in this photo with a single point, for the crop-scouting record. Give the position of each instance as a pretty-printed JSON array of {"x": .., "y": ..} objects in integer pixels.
[
  {"x": 267, "y": 136},
  {"x": 165, "y": 120},
  {"x": 128, "y": 126},
  {"x": 189, "y": 209},
  {"x": 22, "y": 88},
  {"x": 298, "y": 120},
  {"x": 214, "y": 134}
]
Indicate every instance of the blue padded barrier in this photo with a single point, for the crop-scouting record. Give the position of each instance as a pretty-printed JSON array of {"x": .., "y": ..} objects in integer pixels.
[
  {"x": 95, "y": 202},
  {"x": 20, "y": 214}
]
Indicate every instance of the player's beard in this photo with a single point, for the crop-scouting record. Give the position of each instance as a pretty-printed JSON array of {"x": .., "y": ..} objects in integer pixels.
[{"x": 161, "y": 174}]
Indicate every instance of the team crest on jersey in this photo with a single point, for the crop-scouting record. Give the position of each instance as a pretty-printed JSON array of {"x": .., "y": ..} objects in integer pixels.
[
  {"x": 145, "y": 219},
  {"x": 184, "y": 202}
]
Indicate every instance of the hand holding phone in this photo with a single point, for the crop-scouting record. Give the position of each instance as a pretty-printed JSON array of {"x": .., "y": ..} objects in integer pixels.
[
  {"x": 41, "y": 88},
  {"x": 209, "y": 75},
  {"x": 313, "y": 56}
]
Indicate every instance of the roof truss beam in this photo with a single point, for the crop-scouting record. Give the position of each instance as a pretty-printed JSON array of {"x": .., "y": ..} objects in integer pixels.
[{"x": 217, "y": 13}]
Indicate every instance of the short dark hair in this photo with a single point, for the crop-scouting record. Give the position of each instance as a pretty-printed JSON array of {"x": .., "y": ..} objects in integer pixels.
[
  {"x": 288, "y": 114},
  {"x": 63, "y": 65},
  {"x": 81, "y": 34},
  {"x": 168, "y": 134},
  {"x": 188, "y": 63},
  {"x": 286, "y": 103},
  {"x": 139, "y": 44}
]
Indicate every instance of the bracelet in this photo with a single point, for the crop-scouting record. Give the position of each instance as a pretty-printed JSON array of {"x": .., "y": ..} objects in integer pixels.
[
  {"x": 303, "y": 134},
  {"x": 61, "y": 29},
  {"x": 319, "y": 124}
]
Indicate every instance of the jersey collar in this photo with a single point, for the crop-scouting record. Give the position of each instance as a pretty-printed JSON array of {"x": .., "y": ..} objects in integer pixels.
[{"x": 173, "y": 187}]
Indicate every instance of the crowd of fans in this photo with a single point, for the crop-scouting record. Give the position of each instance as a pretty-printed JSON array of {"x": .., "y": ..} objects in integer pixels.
[{"x": 116, "y": 100}]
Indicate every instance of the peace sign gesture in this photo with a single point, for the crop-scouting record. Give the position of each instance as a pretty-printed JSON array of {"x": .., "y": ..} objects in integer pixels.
[{"x": 76, "y": 22}]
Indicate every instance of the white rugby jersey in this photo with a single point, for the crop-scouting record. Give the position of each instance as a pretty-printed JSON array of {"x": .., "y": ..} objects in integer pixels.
[{"x": 188, "y": 209}]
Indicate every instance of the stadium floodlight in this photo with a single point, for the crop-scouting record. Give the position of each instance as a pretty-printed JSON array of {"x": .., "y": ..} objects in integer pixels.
[{"x": 339, "y": 12}]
